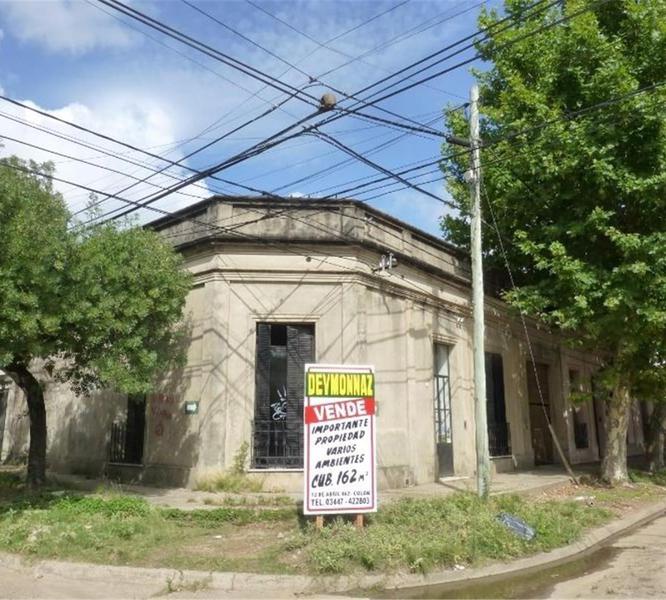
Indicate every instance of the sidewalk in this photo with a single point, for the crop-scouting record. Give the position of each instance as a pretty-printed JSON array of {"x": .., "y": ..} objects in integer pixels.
[{"x": 517, "y": 482}]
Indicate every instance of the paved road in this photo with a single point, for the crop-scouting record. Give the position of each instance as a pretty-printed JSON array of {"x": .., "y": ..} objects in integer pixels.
[{"x": 636, "y": 568}]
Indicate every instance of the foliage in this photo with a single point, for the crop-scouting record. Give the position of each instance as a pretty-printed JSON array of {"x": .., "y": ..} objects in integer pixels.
[
  {"x": 211, "y": 518},
  {"x": 580, "y": 201},
  {"x": 658, "y": 478},
  {"x": 34, "y": 251},
  {"x": 577, "y": 194},
  {"x": 240, "y": 459},
  {"x": 98, "y": 307},
  {"x": 411, "y": 534}
]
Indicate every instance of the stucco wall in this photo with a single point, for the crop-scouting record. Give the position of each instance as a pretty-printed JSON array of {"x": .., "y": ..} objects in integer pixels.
[{"x": 390, "y": 319}]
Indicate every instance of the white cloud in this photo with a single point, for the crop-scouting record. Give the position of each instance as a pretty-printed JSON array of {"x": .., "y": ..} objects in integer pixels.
[
  {"x": 145, "y": 125},
  {"x": 68, "y": 26},
  {"x": 153, "y": 98}
]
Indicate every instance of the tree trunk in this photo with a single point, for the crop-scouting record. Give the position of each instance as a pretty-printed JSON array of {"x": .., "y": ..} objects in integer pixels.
[
  {"x": 614, "y": 464},
  {"x": 656, "y": 426},
  {"x": 37, "y": 412}
]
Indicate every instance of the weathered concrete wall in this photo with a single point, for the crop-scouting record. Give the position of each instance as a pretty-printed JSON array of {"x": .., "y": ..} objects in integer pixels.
[{"x": 318, "y": 265}]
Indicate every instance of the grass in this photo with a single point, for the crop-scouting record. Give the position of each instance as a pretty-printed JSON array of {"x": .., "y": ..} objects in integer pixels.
[
  {"x": 420, "y": 535},
  {"x": 119, "y": 529},
  {"x": 245, "y": 500},
  {"x": 229, "y": 482},
  {"x": 412, "y": 535},
  {"x": 658, "y": 478}
]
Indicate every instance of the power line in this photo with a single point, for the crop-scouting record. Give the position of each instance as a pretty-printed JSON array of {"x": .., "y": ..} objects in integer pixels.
[
  {"x": 79, "y": 142},
  {"x": 248, "y": 39},
  {"x": 259, "y": 148},
  {"x": 279, "y": 85},
  {"x": 235, "y": 159},
  {"x": 328, "y": 170},
  {"x": 289, "y": 248},
  {"x": 85, "y": 162},
  {"x": 378, "y": 167},
  {"x": 459, "y": 51},
  {"x": 210, "y": 51},
  {"x": 343, "y": 33}
]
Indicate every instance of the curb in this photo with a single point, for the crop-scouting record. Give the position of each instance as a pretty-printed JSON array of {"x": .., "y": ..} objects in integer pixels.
[{"x": 290, "y": 585}]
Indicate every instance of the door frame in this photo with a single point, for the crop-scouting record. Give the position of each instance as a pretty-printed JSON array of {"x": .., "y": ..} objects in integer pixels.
[{"x": 443, "y": 412}]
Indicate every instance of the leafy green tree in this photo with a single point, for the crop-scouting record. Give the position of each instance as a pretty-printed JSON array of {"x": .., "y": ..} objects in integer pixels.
[
  {"x": 96, "y": 309},
  {"x": 577, "y": 187}
]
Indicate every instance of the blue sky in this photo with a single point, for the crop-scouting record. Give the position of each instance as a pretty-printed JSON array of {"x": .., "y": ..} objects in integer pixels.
[{"x": 86, "y": 63}]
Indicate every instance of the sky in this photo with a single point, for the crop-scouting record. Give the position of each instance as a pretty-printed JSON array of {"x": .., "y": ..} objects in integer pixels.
[{"x": 87, "y": 63}]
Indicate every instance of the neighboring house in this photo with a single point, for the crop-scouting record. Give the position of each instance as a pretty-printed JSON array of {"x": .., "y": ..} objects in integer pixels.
[{"x": 280, "y": 283}]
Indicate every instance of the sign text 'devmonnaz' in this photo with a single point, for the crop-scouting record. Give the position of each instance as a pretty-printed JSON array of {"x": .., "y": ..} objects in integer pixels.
[{"x": 340, "y": 385}]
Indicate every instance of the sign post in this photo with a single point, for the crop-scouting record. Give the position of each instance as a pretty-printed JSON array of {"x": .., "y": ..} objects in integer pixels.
[{"x": 340, "y": 466}]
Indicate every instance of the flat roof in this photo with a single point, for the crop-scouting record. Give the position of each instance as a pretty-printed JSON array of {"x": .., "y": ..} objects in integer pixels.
[{"x": 301, "y": 203}]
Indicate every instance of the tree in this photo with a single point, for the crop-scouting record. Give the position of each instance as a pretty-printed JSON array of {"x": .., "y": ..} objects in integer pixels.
[
  {"x": 577, "y": 183},
  {"x": 97, "y": 308}
]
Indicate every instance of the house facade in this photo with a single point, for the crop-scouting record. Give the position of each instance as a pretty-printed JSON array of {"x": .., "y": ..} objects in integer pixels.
[{"x": 281, "y": 283}]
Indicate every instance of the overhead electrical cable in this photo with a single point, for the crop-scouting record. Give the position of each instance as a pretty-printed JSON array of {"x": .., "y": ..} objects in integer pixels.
[
  {"x": 478, "y": 55},
  {"x": 211, "y": 52},
  {"x": 297, "y": 93},
  {"x": 252, "y": 152},
  {"x": 86, "y": 162}
]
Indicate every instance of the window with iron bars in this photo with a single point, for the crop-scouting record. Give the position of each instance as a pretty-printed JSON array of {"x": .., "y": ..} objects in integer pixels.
[{"x": 281, "y": 354}]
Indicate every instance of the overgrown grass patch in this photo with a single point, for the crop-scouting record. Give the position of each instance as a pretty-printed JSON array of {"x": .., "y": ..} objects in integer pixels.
[
  {"x": 210, "y": 518},
  {"x": 441, "y": 532},
  {"x": 120, "y": 529},
  {"x": 410, "y": 534},
  {"x": 658, "y": 478},
  {"x": 229, "y": 482}
]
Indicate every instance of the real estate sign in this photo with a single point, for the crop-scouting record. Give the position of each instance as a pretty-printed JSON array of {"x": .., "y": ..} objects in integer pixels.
[{"x": 339, "y": 413}]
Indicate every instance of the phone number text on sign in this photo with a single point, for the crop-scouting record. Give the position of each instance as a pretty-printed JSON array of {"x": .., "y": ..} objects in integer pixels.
[{"x": 339, "y": 414}]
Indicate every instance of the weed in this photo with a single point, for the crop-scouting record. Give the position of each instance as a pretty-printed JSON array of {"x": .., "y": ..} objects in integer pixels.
[
  {"x": 229, "y": 482},
  {"x": 460, "y": 529},
  {"x": 263, "y": 500},
  {"x": 658, "y": 478},
  {"x": 235, "y": 480},
  {"x": 10, "y": 481},
  {"x": 240, "y": 459},
  {"x": 178, "y": 584}
]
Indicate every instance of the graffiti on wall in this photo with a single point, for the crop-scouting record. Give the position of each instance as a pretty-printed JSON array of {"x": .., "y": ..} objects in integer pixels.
[{"x": 163, "y": 409}]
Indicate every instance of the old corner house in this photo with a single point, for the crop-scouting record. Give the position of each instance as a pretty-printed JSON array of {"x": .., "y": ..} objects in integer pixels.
[{"x": 280, "y": 283}]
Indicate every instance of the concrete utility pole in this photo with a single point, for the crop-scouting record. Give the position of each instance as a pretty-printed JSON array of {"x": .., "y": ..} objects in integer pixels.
[{"x": 480, "y": 416}]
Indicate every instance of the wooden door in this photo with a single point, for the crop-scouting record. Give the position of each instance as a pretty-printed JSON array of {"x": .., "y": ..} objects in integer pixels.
[{"x": 540, "y": 412}]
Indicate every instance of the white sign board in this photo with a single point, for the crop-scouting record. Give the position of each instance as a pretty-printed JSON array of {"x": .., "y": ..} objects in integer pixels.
[{"x": 339, "y": 413}]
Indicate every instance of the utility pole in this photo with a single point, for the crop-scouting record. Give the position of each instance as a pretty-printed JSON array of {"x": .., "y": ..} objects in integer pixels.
[{"x": 480, "y": 416}]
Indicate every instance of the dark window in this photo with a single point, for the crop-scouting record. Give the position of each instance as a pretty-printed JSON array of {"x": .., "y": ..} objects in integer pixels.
[
  {"x": 127, "y": 436},
  {"x": 499, "y": 435},
  {"x": 282, "y": 352},
  {"x": 581, "y": 438}
]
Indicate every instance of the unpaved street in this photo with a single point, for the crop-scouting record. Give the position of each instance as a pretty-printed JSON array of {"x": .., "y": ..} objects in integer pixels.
[{"x": 637, "y": 569}]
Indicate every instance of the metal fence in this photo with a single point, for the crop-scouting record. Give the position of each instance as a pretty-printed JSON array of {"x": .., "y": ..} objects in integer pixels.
[
  {"x": 125, "y": 445},
  {"x": 117, "y": 443},
  {"x": 276, "y": 447},
  {"x": 499, "y": 439}
]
